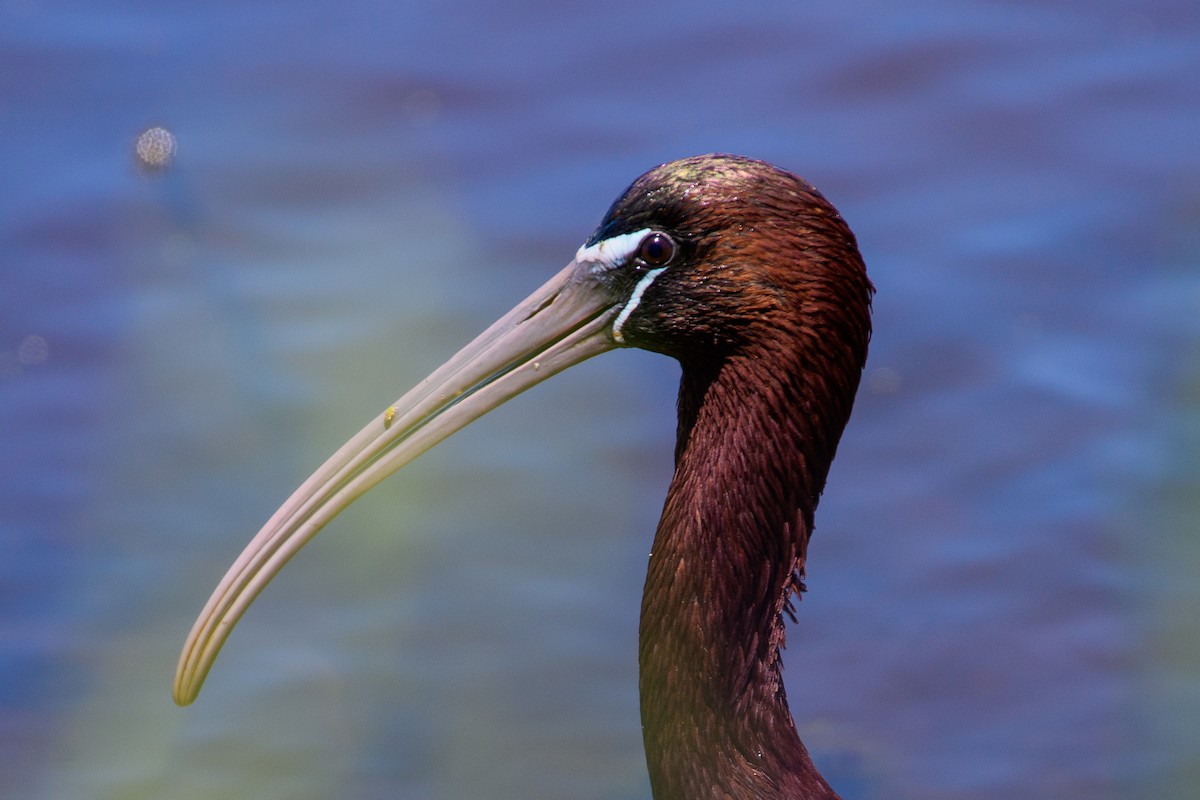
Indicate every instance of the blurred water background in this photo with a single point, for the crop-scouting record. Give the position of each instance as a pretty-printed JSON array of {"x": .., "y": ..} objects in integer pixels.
[{"x": 1003, "y": 583}]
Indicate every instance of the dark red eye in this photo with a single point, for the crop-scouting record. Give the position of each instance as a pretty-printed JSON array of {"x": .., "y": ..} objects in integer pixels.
[{"x": 656, "y": 250}]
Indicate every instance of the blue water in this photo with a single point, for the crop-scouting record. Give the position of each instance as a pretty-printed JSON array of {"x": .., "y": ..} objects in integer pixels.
[{"x": 1003, "y": 593}]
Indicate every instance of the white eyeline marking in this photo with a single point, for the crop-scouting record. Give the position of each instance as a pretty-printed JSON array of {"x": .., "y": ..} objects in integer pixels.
[
  {"x": 611, "y": 252},
  {"x": 632, "y": 305}
]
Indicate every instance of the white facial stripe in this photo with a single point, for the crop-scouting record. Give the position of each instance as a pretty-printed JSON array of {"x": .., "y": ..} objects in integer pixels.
[
  {"x": 632, "y": 305},
  {"x": 611, "y": 252}
]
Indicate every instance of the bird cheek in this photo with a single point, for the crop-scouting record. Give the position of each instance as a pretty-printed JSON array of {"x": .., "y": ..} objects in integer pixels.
[
  {"x": 632, "y": 332},
  {"x": 647, "y": 329}
]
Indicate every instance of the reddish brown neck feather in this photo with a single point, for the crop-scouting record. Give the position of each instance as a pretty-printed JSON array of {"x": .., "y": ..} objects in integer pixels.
[{"x": 757, "y": 433}]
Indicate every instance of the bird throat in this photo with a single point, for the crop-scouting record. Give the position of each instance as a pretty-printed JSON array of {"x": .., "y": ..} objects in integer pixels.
[{"x": 727, "y": 558}]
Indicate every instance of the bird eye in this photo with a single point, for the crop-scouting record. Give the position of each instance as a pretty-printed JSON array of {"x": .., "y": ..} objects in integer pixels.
[{"x": 656, "y": 250}]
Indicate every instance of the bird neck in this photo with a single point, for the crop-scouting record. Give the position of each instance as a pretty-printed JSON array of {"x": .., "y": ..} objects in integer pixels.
[{"x": 728, "y": 555}]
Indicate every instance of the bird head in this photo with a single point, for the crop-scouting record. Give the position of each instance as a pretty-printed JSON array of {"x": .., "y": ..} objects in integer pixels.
[
  {"x": 699, "y": 259},
  {"x": 712, "y": 255}
]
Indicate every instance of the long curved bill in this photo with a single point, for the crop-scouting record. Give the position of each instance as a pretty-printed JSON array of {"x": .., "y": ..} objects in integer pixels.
[{"x": 566, "y": 321}]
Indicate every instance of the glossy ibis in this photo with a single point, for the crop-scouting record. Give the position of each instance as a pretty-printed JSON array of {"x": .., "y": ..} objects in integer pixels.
[{"x": 752, "y": 280}]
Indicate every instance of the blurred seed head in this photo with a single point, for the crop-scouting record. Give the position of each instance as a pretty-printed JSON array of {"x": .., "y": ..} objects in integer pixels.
[{"x": 155, "y": 149}]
